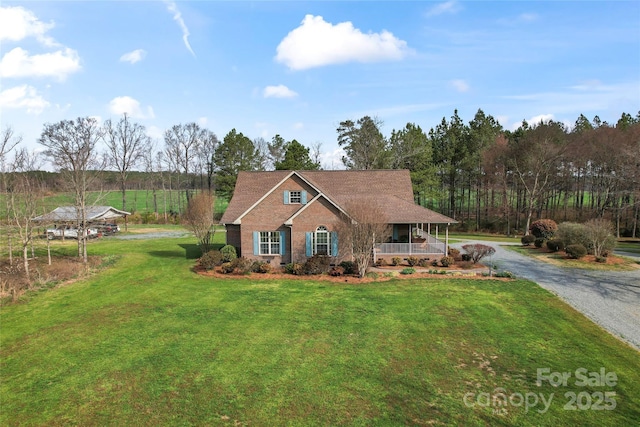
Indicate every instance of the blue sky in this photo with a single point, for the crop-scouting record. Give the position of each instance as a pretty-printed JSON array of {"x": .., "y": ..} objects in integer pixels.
[{"x": 299, "y": 68}]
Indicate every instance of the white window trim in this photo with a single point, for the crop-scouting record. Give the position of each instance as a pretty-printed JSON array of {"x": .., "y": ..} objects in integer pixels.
[
  {"x": 322, "y": 230},
  {"x": 298, "y": 196},
  {"x": 270, "y": 241}
]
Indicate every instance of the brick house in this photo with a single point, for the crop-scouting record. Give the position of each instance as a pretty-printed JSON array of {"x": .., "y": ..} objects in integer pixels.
[{"x": 287, "y": 216}]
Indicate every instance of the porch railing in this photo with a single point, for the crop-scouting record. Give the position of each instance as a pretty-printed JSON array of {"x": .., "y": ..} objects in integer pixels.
[{"x": 435, "y": 247}]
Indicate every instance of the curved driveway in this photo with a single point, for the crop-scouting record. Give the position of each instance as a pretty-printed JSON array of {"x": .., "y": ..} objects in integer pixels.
[{"x": 611, "y": 299}]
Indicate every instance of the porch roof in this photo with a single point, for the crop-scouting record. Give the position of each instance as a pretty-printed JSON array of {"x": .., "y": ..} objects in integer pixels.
[{"x": 396, "y": 210}]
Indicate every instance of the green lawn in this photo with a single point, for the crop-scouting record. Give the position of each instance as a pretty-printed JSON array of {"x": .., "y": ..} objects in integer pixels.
[
  {"x": 460, "y": 237},
  {"x": 148, "y": 342},
  {"x": 629, "y": 245}
]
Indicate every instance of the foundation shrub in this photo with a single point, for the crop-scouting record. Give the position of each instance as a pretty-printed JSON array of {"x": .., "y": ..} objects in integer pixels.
[
  {"x": 350, "y": 267},
  {"x": 317, "y": 264},
  {"x": 228, "y": 253},
  {"x": 293, "y": 268},
  {"x": 446, "y": 261},
  {"x": 260, "y": 267},
  {"x": 211, "y": 260}
]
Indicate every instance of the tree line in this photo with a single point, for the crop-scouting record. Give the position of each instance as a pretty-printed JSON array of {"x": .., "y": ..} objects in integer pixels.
[{"x": 485, "y": 177}]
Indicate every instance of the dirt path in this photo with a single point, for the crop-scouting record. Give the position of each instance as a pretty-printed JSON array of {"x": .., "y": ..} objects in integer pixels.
[{"x": 611, "y": 299}]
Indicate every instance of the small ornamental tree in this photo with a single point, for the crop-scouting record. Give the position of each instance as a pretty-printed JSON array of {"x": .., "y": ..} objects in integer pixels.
[
  {"x": 544, "y": 228},
  {"x": 199, "y": 218},
  {"x": 478, "y": 251},
  {"x": 359, "y": 232}
]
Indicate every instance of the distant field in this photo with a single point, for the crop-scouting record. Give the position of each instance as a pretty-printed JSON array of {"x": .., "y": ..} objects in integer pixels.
[
  {"x": 149, "y": 342},
  {"x": 137, "y": 201}
]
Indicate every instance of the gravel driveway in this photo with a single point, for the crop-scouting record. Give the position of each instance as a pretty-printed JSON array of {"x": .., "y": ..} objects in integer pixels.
[{"x": 611, "y": 299}]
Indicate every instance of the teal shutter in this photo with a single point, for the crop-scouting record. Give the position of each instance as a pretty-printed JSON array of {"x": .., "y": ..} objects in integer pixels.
[
  {"x": 334, "y": 243},
  {"x": 282, "y": 242},
  {"x": 309, "y": 243},
  {"x": 286, "y": 197},
  {"x": 256, "y": 243},
  {"x": 303, "y": 197}
]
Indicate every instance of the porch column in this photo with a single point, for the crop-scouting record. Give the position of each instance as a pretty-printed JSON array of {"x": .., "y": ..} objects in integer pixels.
[
  {"x": 446, "y": 241},
  {"x": 409, "y": 239}
]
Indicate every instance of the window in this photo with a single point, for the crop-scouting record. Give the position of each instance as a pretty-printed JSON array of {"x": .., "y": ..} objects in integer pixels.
[
  {"x": 295, "y": 197},
  {"x": 269, "y": 243},
  {"x": 321, "y": 241}
]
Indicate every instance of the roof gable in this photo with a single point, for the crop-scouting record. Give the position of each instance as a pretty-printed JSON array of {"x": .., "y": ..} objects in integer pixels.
[{"x": 390, "y": 189}]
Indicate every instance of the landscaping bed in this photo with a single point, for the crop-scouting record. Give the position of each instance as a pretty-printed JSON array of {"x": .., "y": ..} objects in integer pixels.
[{"x": 560, "y": 259}]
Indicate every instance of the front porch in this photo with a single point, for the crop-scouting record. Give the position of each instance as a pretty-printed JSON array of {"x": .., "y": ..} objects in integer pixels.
[{"x": 413, "y": 240}]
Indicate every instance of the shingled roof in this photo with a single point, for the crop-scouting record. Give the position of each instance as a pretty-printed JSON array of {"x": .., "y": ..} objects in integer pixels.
[
  {"x": 388, "y": 189},
  {"x": 69, "y": 214}
]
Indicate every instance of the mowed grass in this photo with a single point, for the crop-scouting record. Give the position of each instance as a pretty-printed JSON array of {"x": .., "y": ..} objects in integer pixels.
[
  {"x": 461, "y": 237},
  {"x": 149, "y": 342}
]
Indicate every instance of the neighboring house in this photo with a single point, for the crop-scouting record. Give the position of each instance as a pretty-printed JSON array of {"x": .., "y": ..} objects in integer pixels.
[{"x": 287, "y": 216}]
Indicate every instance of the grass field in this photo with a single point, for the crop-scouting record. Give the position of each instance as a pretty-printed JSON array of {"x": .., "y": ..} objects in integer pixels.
[
  {"x": 146, "y": 341},
  {"x": 500, "y": 238},
  {"x": 137, "y": 200}
]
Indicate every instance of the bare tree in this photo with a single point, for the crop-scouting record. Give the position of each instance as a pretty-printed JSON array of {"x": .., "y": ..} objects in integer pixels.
[
  {"x": 182, "y": 146},
  {"x": 127, "y": 142},
  {"x": 23, "y": 199},
  {"x": 535, "y": 155},
  {"x": 207, "y": 151},
  {"x": 200, "y": 219},
  {"x": 362, "y": 228},
  {"x": 8, "y": 141},
  {"x": 72, "y": 149}
]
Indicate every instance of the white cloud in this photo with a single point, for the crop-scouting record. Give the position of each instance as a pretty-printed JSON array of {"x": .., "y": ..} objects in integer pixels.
[
  {"x": 280, "y": 91},
  {"x": 332, "y": 160},
  {"x": 59, "y": 64},
  {"x": 133, "y": 56},
  {"x": 298, "y": 125},
  {"x": 451, "y": 6},
  {"x": 126, "y": 104},
  {"x": 23, "y": 97},
  {"x": 18, "y": 23},
  {"x": 177, "y": 16},
  {"x": 460, "y": 85},
  {"x": 540, "y": 118},
  {"x": 202, "y": 121},
  {"x": 316, "y": 43}
]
